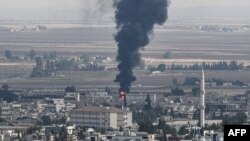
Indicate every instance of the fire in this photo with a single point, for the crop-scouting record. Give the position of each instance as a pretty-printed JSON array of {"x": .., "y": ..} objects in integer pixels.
[{"x": 122, "y": 95}]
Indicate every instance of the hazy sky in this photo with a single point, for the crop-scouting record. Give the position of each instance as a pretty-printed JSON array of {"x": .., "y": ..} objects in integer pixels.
[
  {"x": 54, "y": 9},
  {"x": 75, "y": 3},
  {"x": 185, "y": 3}
]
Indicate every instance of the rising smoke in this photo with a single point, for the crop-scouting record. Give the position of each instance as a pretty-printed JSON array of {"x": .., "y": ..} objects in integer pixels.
[{"x": 135, "y": 20}]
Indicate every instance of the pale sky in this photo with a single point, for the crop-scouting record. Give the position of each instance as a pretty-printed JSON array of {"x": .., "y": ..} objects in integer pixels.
[
  {"x": 185, "y": 3},
  {"x": 75, "y": 3},
  {"x": 54, "y": 9}
]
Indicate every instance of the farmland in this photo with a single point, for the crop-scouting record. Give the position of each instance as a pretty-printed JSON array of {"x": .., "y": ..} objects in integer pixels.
[{"x": 186, "y": 47}]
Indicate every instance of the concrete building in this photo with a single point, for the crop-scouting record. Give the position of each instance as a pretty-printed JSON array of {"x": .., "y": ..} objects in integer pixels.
[
  {"x": 55, "y": 105},
  {"x": 227, "y": 84},
  {"x": 95, "y": 98},
  {"x": 5, "y": 110},
  {"x": 179, "y": 123},
  {"x": 72, "y": 97},
  {"x": 101, "y": 117},
  {"x": 127, "y": 135},
  {"x": 40, "y": 106},
  {"x": 39, "y": 94},
  {"x": 139, "y": 98}
]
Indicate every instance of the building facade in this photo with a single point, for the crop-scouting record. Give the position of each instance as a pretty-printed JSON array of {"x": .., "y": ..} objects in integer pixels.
[{"x": 101, "y": 117}]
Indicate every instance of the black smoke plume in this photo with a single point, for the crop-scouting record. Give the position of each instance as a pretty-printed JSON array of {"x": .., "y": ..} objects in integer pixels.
[{"x": 135, "y": 20}]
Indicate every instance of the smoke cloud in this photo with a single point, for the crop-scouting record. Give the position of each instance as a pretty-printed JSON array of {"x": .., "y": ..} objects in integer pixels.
[{"x": 135, "y": 20}]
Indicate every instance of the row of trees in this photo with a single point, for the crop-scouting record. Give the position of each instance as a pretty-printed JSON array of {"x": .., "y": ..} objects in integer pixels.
[
  {"x": 8, "y": 55},
  {"x": 222, "y": 65},
  {"x": 180, "y": 91},
  {"x": 160, "y": 67},
  {"x": 49, "y": 64},
  {"x": 194, "y": 81},
  {"x": 6, "y": 94},
  {"x": 238, "y": 119}
]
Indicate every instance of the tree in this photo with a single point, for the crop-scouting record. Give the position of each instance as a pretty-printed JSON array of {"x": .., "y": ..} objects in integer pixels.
[
  {"x": 213, "y": 127},
  {"x": 51, "y": 55},
  {"x": 38, "y": 71},
  {"x": 81, "y": 134},
  {"x": 6, "y": 94},
  {"x": 39, "y": 62},
  {"x": 196, "y": 91},
  {"x": 175, "y": 81},
  {"x": 5, "y": 87},
  {"x": 162, "y": 67},
  {"x": 177, "y": 100},
  {"x": 166, "y": 128},
  {"x": 85, "y": 58},
  {"x": 8, "y": 54},
  {"x": 62, "y": 134},
  {"x": 46, "y": 120},
  {"x": 165, "y": 135},
  {"x": 167, "y": 55},
  {"x": 161, "y": 124},
  {"x": 147, "y": 126},
  {"x": 183, "y": 130},
  {"x": 50, "y": 67},
  {"x": 70, "y": 89},
  {"x": 238, "y": 119},
  {"x": 191, "y": 81},
  {"x": 33, "y": 129},
  {"x": 148, "y": 105},
  {"x": 177, "y": 91},
  {"x": 32, "y": 54}
]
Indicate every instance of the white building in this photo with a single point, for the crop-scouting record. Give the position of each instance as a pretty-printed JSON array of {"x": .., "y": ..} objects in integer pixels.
[
  {"x": 101, "y": 117},
  {"x": 40, "y": 106},
  {"x": 55, "y": 105},
  {"x": 72, "y": 97},
  {"x": 5, "y": 110},
  {"x": 227, "y": 84}
]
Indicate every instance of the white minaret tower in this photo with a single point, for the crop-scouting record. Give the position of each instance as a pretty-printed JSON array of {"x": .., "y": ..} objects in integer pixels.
[{"x": 202, "y": 100}]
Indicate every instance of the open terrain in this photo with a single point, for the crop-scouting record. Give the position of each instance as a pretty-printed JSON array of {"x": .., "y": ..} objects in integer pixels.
[{"x": 185, "y": 46}]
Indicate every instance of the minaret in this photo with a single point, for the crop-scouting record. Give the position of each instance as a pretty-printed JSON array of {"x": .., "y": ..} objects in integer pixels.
[{"x": 202, "y": 99}]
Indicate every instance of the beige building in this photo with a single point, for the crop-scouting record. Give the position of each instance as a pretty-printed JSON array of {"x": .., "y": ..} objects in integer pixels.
[{"x": 101, "y": 117}]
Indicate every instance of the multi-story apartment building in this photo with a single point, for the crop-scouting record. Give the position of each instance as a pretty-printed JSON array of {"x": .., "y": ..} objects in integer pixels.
[
  {"x": 95, "y": 98},
  {"x": 54, "y": 105},
  {"x": 5, "y": 110},
  {"x": 140, "y": 98},
  {"x": 101, "y": 117}
]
